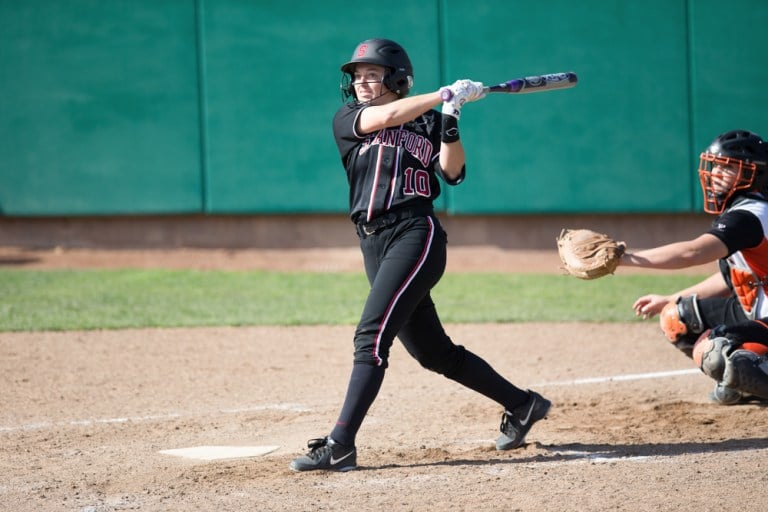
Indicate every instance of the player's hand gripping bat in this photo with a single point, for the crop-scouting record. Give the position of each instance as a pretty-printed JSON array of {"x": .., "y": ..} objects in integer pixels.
[{"x": 528, "y": 84}]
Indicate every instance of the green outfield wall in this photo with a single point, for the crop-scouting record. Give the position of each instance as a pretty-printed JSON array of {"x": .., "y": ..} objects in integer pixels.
[{"x": 136, "y": 107}]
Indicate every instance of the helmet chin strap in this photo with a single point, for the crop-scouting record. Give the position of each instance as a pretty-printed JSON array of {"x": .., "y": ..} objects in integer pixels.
[{"x": 379, "y": 96}]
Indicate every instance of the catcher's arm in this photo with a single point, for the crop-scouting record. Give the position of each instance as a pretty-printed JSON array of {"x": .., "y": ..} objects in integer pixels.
[
  {"x": 651, "y": 305},
  {"x": 704, "y": 249}
]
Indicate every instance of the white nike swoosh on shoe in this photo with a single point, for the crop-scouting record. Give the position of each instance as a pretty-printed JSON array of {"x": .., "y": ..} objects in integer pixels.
[
  {"x": 528, "y": 417},
  {"x": 336, "y": 461}
]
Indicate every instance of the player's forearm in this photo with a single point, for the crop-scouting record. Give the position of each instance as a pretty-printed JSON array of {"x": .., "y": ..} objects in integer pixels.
[
  {"x": 452, "y": 159},
  {"x": 665, "y": 257},
  {"x": 377, "y": 117},
  {"x": 713, "y": 286},
  {"x": 704, "y": 249}
]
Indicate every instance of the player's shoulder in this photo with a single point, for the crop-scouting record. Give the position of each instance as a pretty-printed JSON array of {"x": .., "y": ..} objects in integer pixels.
[
  {"x": 744, "y": 222},
  {"x": 756, "y": 205},
  {"x": 345, "y": 120},
  {"x": 348, "y": 108}
]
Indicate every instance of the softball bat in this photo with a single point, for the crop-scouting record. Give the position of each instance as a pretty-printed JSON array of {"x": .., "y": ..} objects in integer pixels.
[{"x": 528, "y": 84}]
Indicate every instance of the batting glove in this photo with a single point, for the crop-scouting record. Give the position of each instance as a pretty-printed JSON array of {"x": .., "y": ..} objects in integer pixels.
[
  {"x": 451, "y": 108},
  {"x": 472, "y": 91},
  {"x": 459, "y": 93}
]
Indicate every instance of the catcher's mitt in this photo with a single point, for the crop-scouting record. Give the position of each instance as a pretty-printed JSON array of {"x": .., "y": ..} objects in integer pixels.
[{"x": 587, "y": 254}]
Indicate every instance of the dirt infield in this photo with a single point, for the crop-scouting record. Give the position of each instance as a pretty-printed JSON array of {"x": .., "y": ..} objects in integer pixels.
[{"x": 85, "y": 415}]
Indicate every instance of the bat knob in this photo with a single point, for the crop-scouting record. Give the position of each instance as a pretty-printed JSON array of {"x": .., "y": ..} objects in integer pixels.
[{"x": 446, "y": 94}]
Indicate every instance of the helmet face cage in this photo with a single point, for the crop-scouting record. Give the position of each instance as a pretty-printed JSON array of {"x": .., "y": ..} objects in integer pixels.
[
  {"x": 745, "y": 154},
  {"x": 714, "y": 202},
  {"x": 398, "y": 77}
]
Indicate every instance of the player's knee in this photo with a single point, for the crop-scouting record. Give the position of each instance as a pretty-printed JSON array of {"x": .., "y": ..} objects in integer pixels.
[
  {"x": 710, "y": 354},
  {"x": 445, "y": 362},
  {"x": 682, "y": 324},
  {"x": 371, "y": 357}
]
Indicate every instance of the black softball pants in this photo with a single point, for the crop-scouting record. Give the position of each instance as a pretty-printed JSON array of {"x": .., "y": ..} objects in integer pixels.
[{"x": 403, "y": 262}]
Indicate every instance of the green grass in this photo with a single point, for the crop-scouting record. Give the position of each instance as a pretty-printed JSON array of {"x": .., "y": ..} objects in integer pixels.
[{"x": 114, "y": 299}]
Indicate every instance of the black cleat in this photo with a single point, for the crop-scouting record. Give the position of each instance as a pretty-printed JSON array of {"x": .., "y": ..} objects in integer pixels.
[
  {"x": 516, "y": 424},
  {"x": 325, "y": 453}
]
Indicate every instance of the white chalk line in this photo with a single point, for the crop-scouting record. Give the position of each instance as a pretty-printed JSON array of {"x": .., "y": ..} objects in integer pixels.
[
  {"x": 144, "y": 419},
  {"x": 619, "y": 378},
  {"x": 579, "y": 456},
  {"x": 300, "y": 408}
]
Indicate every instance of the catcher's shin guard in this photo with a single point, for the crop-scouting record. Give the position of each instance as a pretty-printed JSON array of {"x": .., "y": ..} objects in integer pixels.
[
  {"x": 724, "y": 395},
  {"x": 747, "y": 372},
  {"x": 681, "y": 323},
  {"x": 739, "y": 367}
]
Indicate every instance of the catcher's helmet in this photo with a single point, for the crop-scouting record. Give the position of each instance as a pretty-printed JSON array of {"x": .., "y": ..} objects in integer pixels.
[
  {"x": 382, "y": 52},
  {"x": 745, "y": 153}
]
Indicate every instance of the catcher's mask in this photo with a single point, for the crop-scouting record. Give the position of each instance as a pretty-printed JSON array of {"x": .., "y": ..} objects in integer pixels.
[
  {"x": 383, "y": 52},
  {"x": 743, "y": 153}
]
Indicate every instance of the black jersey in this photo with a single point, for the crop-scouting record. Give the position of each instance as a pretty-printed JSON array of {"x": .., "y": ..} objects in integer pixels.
[
  {"x": 740, "y": 226},
  {"x": 391, "y": 168}
]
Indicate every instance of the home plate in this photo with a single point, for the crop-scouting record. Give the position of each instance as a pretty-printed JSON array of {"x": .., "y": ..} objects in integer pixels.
[{"x": 220, "y": 452}]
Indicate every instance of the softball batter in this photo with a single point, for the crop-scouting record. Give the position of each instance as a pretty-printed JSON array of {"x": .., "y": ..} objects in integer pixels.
[{"x": 394, "y": 148}]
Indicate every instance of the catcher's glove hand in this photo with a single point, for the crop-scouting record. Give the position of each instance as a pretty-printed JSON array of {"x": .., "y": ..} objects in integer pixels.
[{"x": 588, "y": 255}]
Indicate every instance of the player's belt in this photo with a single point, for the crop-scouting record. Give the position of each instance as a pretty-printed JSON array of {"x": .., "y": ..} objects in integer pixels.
[{"x": 391, "y": 218}]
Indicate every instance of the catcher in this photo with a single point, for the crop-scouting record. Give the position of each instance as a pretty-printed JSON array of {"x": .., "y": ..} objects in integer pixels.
[{"x": 722, "y": 321}]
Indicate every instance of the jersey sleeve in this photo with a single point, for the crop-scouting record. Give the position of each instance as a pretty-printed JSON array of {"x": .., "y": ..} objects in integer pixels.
[
  {"x": 344, "y": 132},
  {"x": 738, "y": 229}
]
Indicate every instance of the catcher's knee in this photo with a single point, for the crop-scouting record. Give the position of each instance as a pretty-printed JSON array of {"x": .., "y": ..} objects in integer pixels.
[
  {"x": 732, "y": 365},
  {"x": 681, "y": 323},
  {"x": 710, "y": 354}
]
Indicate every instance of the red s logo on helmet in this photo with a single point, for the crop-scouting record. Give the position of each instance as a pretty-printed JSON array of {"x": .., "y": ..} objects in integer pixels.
[{"x": 362, "y": 50}]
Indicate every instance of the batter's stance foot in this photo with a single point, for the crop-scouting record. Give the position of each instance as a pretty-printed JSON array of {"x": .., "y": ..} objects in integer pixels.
[
  {"x": 327, "y": 454},
  {"x": 515, "y": 424}
]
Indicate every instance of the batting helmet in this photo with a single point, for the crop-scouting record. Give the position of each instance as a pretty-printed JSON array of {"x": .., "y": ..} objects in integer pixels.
[
  {"x": 382, "y": 52},
  {"x": 743, "y": 152}
]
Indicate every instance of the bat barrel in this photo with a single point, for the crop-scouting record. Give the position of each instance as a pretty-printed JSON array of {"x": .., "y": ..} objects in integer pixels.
[{"x": 537, "y": 83}]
